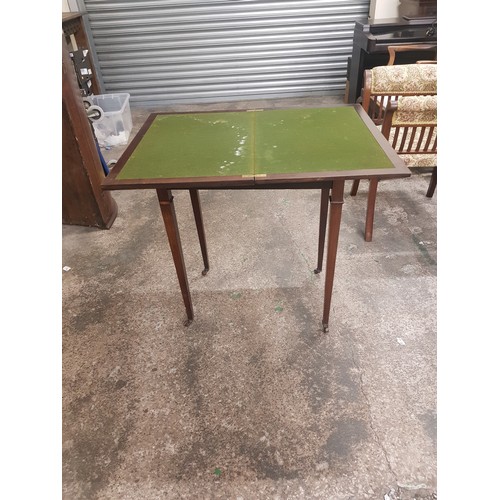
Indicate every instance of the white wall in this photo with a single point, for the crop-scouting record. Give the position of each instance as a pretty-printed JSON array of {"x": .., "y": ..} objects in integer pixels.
[{"x": 383, "y": 9}]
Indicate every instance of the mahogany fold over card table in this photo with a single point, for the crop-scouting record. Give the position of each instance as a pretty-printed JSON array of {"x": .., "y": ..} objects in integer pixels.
[{"x": 300, "y": 148}]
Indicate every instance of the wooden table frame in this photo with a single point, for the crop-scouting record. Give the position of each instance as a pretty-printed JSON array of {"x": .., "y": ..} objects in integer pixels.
[{"x": 331, "y": 185}]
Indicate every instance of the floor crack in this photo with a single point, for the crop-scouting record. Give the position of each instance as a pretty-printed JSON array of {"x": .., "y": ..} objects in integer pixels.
[{"x": 372, "y": 427}]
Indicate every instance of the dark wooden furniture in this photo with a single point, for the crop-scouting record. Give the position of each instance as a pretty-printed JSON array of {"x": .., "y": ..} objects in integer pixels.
[
  {"x": 276, "y": 149},
  {"x": 83, "y": 201},
  {"x": 372, "y": 40},
  {"x": 74, "y": 27},
  {"x": 411, "y": 9}
]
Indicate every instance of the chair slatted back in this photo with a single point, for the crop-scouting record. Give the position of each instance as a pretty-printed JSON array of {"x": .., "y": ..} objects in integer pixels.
[
  {"x": 428, "y": 49},
  {"x": 410, "y": 125},
  {"x": 420, "y": 139}
]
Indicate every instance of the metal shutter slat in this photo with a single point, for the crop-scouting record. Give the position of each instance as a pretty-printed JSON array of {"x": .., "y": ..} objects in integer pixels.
[{"x": 164, "y": 52}]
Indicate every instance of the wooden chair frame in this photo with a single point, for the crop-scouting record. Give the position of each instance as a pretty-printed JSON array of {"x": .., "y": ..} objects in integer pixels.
[
  {"x": 395, "y": 49},
  {"x": 375, "y": 104},
  {"x": 405, "y": 139}
]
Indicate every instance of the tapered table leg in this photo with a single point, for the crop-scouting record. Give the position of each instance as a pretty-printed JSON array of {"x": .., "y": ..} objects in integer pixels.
[
  {"x": 336, "y": 202},
  {"x": 354, "y": 188},
  {"x": 370, "y": 209},
  {"x": 195, "y": 201},
  {"x": 170, "y": 220},
  {"x": 323, "y": 216}
]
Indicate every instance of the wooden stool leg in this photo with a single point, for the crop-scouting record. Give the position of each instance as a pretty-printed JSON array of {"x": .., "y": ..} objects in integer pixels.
[
  {"x": 195, "y": 201},
  {"x": 432, "y": 184},
  {"x": 370, "y": 210},
  {"x": 323, "y": 216},
  {"x": 336, "y": 203},
  {"x": 170, "y": 220},
  {"x": 354, "y": 188}
]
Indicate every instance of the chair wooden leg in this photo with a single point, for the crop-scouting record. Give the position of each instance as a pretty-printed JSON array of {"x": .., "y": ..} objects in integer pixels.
[
  {"x": 354, "y": 188},
  {"x": 370, "y": 209},
  {"x": 432, "y": 184}
]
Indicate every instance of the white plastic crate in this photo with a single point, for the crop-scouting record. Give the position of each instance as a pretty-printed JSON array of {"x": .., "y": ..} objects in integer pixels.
[{"x": 113, "y": 126}]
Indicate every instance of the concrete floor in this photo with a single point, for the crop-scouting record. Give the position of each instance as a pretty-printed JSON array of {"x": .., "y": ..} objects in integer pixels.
[{"x": 252, "y": 401}]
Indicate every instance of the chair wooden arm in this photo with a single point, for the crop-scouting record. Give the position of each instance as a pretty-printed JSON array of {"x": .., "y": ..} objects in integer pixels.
[
  {"x": 366, "y": 90},
  {"x": 387, "y": 122}
]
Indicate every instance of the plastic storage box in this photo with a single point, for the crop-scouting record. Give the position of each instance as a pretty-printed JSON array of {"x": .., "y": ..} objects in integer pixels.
[{"x": 112, "y": 120}]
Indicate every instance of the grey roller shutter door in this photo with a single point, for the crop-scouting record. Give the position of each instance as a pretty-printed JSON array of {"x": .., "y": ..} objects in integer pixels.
[{"x": 164, "y": 52}]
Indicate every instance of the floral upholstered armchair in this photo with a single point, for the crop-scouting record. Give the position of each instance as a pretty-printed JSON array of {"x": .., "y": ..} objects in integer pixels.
[
  {"x": 402, "y": 100},
  {"x": 383, "y": 84}
]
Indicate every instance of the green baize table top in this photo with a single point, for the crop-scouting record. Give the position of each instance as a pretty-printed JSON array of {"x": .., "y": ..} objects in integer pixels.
[{"x": 254, "y": 143}]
